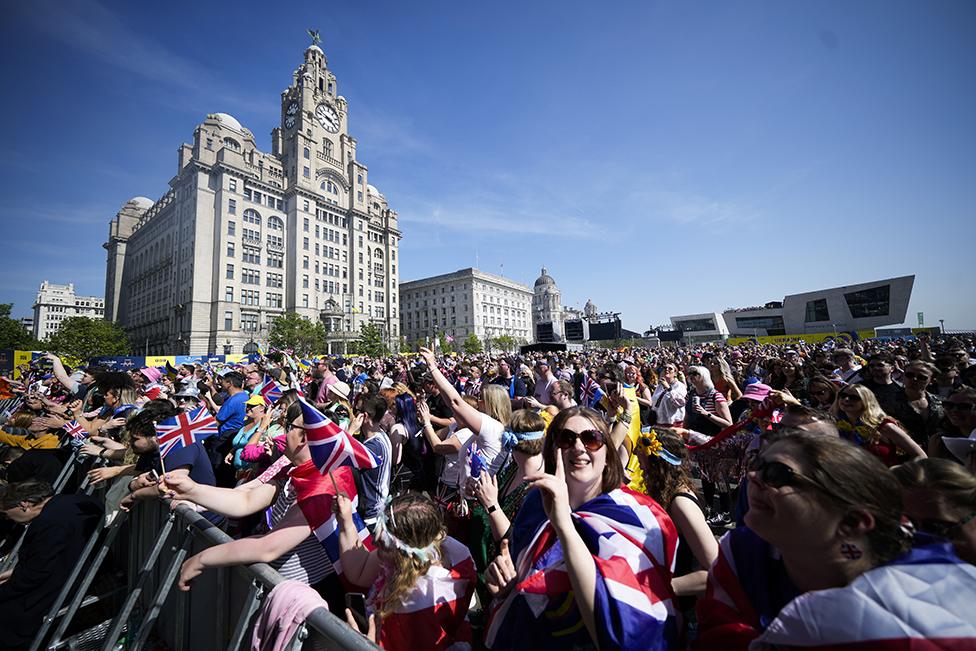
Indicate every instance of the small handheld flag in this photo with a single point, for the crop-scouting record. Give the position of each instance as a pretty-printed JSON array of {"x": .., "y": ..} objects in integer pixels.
[
  {"x": 76, "y": 431},
  {"x": 270, "y": 390},
  {"x": 184, "y": 430},
  {"x": 330, "y": 445}
]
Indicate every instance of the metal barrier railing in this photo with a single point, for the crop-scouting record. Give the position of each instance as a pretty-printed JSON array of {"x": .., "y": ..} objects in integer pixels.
[{"x": 219, "y": 612}]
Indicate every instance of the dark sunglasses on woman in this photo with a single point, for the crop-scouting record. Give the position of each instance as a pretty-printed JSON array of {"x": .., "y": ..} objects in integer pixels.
[
  {"x": 592, "y": 439},
  {"x": 776, "y": 474}
]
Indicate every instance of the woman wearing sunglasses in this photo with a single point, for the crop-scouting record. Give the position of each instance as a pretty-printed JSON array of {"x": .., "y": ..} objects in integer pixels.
[
  {"x": 824, "y": 559},
  {"x": 580, "y": 542},
  {"x": 960, "y": 420},
  {"x": 940, "y": 499},
  {"x": 821, "y": 393},
  {"x": 861, "y": 420}
]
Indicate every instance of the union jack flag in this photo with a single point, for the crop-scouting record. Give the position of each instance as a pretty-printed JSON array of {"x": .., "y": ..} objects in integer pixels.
[
  {"x": 590, "y": 392},
  {"x": 633, "y": 543},
  {"x": 330, "y": 445},
  {"x": 270, "y": 390},
  {"x": 75, "y": 430},
  {"x": 184, "y": 430}
]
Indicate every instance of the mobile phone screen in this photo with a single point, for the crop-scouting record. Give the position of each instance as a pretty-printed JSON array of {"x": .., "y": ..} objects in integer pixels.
[{"x": 356, "y": 602}]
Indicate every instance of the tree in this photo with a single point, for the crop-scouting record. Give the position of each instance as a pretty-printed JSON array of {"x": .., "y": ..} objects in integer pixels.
[
  {"x": 82, "y": 338},
  {"x": 471, "y": 345},
  {"x": 446, "y": 346},
  {"x": 13, "y": 334},
  {"x": 304, "y": 336},
  {"x": 506, "y": 342},
  {"x": 370, "y": 341}
]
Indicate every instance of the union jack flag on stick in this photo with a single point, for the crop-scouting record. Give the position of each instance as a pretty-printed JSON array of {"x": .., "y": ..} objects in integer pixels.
[
  {"x": 270, "y": 390},
  {"x": 75, "y": 430},
  {"x": 184, "y": 430}
]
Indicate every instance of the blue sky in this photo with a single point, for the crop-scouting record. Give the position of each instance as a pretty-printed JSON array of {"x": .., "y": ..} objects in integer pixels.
[{"x": 658, "y": 157}]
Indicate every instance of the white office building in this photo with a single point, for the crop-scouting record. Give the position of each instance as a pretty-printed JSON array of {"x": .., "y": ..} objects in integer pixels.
[
  {"x": 55, "y": 303},
  {"x": 242, "y": 236},
  {"x": 465, "y": 302}
]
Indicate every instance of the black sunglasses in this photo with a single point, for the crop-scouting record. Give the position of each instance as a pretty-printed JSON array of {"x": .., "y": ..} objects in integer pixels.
[
  {"x": 916, "y": 377},
  {"x": 592, "y": 439},
  {"x": 943, "y": 529},
  {"x": 850, "y": 396},
  {"x": 776, "y": 474},
  {"x": 958, "y": 406}
]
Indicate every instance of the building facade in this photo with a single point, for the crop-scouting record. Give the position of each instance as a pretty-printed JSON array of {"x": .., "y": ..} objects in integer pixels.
[
  {"x": 465, "y": 302},
  {"x": 547, "y": 309},
  {"x": 848, "y": 308},
  {"x": 55, "y": 303},
  {"x": 242, "y": 235}
]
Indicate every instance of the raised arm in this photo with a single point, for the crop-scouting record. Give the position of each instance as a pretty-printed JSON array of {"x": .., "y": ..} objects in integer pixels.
[
  {"x": 465, "y": 414},
  {"x": 232, "y": 502}
]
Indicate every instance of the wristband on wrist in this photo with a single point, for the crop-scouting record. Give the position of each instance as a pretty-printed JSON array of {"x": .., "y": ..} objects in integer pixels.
[
  {"x": 101, "y": 453},
  {"x": 492, "y": 509}
]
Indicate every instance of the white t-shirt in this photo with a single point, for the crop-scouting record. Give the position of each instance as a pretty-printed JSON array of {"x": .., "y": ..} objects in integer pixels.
[{"x": 451, "y": 472}]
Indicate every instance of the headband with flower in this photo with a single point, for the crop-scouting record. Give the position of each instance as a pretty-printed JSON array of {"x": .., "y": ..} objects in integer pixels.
[
  {"x": 382, "y": 533},
  {"x": 651, "y": 446}
]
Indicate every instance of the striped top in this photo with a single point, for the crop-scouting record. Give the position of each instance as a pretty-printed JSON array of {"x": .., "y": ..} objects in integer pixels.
[{"x": 307, "y": 562}]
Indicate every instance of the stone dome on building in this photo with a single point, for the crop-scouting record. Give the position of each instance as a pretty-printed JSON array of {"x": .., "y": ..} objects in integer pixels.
[
  {"x": 142, "y": 203},
  {"x": 545, "y": 280},
  {"x": 227, "y": 120},
  {"x": 315, "y": 48}
]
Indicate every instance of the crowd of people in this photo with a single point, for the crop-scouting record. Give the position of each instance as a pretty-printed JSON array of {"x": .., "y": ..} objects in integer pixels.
[{"x": 707, "y": 496}]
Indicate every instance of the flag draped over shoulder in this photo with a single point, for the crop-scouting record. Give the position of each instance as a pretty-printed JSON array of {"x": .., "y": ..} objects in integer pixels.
[
  {"x": 316, "y": 494},
  {"x": 432, "y": 614},
  {"x": 920, "y": 602},
  {"x": 633, "y": 543}
]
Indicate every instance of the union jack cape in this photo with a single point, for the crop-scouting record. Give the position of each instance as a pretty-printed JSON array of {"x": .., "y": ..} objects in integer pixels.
[
  {"x": 920, "y": 601},
  {"x": 183, "y": 430},
  {"x": 633, "y": 543},
  {"x": 432, "y": 615}
]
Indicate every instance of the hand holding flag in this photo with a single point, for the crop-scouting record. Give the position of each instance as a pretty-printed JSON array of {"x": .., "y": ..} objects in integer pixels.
[{"x": 184, "y": 430}]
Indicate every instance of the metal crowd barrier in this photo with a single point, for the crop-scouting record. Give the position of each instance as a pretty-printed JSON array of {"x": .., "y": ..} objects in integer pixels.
[{"x": 219, "y": 612}]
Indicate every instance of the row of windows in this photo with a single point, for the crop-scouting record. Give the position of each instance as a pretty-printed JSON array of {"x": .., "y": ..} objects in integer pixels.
[{"x": 253, "y": 297}]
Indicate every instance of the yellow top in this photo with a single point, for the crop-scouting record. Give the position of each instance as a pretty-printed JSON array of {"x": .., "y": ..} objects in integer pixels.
[{"x": 43, "y": 442}]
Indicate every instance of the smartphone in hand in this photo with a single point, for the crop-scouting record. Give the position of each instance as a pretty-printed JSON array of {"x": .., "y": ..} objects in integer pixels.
[{"x": 356, "y": 602}]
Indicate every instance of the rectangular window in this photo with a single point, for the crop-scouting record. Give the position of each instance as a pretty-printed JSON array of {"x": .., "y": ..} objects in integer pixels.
[
  {"x": 274, "y": 300},
  {"x": 305, "y": 262},
  {"x": 305, "y": 243},
  {"x": 228, "y": 320},
  {"x": 229, "y": 295},
  {"x": 275, "y": 240},
  {"x": 276, "y": 260},
  {"x": 232, "y": 207},
  {"x": 304, "y": 282},
  {"x": 307, "y": 173},
  {"x": 305, "y": 204},
  {"x": 271, "y": 201},
  {"x": 230, "y": 249},
  {"x": 231, "y": 228},
  {"x": 359, "y": 195},
  {"x": 817, "y": 311},
  {"x": 304, "y": 300},
  {"x": 232, "y": 185},
  {"x": 230, "y": 271},
  {"x": 869, "y": 302},
  {"x": 247, "y": 193},
  {"x": 305, "y": 225},
  {"x": 274, "y": 280},
  {"x": 306, "y": 153},
  {"x": 249, "y": 322}
]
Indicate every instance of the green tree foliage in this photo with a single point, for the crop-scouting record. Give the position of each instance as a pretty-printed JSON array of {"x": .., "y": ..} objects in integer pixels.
[
  {"x": 445, "y": 345},
  {"x": 304, "y": 336},
  {"x": 370, "y": 341},
  {"x": 12, "y": 333},
  {"x": 81, "y": 337},
  {"x": 471, "y": 345},
  {"x": 506, "y": 342}
]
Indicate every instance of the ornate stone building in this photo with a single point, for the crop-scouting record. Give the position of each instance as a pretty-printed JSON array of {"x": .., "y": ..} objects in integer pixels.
[
  {"x": 242, "y": 235},
  {"x": 55, "y": 303}
]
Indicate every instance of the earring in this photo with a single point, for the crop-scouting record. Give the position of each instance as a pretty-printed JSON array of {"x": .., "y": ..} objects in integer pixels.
[{"x": 850, "y": 551}]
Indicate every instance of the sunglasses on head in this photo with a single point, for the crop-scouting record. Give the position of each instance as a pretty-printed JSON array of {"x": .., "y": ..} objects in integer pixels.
[
  {"x": 592, "y": 439},
  {"x": 776, "y": 474}
]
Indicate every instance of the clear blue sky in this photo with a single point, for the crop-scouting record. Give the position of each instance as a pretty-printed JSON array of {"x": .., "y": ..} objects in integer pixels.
[{"x": 658, "y": 157}]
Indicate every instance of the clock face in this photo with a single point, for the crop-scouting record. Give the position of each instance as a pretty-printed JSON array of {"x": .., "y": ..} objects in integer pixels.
[
  {"x": 292, "y": 108},
  {"x": 327, "y": 117},
  {"x": 289, "y": 121}
]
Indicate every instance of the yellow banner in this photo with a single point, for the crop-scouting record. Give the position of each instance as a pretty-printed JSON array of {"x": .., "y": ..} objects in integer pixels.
[
  {"x": 21, "y": 357},
  {"x": 809, "y": 338},
  {"x": 159, "y": 361}
]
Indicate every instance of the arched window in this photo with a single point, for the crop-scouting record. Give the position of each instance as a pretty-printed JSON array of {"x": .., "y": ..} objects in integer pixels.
[
  {"x": 251, "y": 216},
  {"x": 275, "y": 224},
  {"x": 233, "y": 144}
]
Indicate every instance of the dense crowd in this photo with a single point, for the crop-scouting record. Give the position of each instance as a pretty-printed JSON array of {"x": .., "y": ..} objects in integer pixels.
[{"x": 707, "y": 496}]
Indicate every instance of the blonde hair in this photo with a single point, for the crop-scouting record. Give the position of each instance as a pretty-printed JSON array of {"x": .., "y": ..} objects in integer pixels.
[
  {"x": 872, "y": 415},
  {"x": 415, "y": 520},
  {"x": 497, "y": 403}
]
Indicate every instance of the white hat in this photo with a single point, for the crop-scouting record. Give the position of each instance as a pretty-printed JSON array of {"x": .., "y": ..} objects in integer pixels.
[{"x": 961, "y": 447}]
